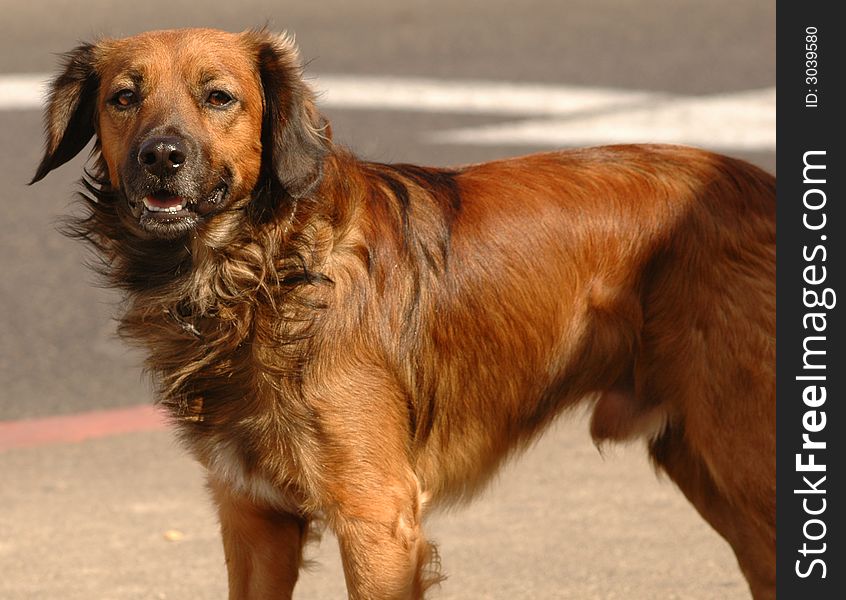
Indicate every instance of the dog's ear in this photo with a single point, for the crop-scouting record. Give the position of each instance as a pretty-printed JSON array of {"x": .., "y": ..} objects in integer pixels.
[
  {"x": 295, "y": 137},
  {"x": 71, "y": 107}
]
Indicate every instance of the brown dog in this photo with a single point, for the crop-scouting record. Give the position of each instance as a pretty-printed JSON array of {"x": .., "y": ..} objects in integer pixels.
[{"x": 359, "y": 341}]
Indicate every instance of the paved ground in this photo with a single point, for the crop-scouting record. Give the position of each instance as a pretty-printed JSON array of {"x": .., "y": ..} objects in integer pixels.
[{"x": 126, "y": 516}]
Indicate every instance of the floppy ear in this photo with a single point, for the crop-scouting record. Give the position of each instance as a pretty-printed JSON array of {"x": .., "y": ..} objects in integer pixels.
[
  {"x": 295, "y": 137},
  {"x": 69, "y": 116}
]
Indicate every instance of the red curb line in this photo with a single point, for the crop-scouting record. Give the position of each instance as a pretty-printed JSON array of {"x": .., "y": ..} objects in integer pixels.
[{"x": 65, "y": 429}]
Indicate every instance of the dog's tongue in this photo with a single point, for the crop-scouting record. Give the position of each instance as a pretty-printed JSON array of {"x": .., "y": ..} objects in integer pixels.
[{"x": 158, "y": 201}]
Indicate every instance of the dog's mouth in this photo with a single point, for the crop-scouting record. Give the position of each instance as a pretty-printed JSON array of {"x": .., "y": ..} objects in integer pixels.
[
  {"x": 167, "y": 215},
  {"x": 163, "y": 203}
]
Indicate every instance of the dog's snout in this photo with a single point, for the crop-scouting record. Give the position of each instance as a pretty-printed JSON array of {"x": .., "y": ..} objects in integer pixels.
[{"x": 162, "y": 156}]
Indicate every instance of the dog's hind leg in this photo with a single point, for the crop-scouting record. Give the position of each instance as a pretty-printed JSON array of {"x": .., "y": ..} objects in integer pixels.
[
  {"x": 263, "y": 547},
  {"x": 743, "y": 515}
]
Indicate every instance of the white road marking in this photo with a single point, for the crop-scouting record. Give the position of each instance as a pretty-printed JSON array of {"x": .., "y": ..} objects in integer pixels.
[
  {"x": 22, "y": 91},
  {"x": 569, "y": 115},
  {"x": 743, "y": 121},
  {"x": 469, "y": 97}
]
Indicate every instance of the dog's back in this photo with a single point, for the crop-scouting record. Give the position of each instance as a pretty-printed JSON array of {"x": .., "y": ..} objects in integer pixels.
[{"x": 641, "y": 277}]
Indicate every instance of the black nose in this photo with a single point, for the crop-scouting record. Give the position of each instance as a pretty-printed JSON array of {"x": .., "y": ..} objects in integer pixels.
[{"x": 162, "y": 156}]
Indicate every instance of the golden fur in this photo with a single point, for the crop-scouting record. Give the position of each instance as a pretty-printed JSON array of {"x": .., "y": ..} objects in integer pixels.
[{"x": 358, "y": 342}]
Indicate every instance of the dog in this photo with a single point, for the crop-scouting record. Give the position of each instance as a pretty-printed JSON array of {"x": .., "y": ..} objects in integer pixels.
[{"x": 356, "y": 342}]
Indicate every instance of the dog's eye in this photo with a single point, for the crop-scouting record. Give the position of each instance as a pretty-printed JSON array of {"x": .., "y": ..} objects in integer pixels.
[
  {"x": 218, "y": 98},
  {"x": 125, "y": 98}
]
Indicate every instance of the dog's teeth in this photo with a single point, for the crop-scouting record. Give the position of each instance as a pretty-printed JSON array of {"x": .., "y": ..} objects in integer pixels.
[{"x": 169, "y": 209}]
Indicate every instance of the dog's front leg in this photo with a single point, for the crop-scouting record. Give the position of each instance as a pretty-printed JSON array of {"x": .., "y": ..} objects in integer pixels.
[
  {"x": 263, "y": 546},
  {"x": 384, "y": 552}
]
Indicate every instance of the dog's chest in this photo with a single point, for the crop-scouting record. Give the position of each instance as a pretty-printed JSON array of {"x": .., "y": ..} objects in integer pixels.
[
  {"x": 254, "y": 449},
  {"x": 253, "y": 453},
  {"x": 227, "y": 466},
  {"x": 236, "y": 402}
]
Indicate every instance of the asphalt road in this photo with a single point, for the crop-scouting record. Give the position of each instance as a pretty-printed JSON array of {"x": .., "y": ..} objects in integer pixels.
[{"x": 59, "y": 355}]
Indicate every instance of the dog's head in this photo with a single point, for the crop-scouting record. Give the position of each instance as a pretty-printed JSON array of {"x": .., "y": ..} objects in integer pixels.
[{"x": 188, "y": 123}]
